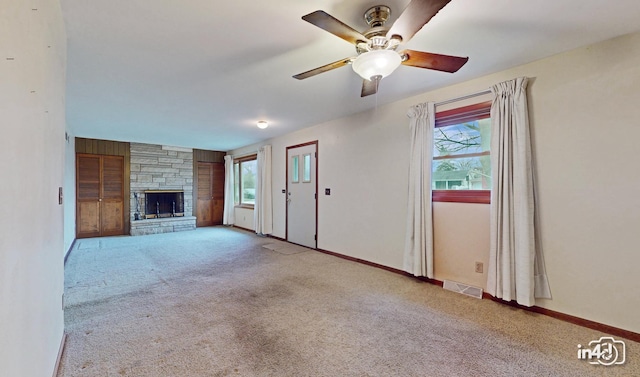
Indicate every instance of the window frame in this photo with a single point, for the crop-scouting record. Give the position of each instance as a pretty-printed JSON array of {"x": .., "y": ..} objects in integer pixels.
[
  {"x": 239, "y": 161},
  {"x": 451, "y": 117}
]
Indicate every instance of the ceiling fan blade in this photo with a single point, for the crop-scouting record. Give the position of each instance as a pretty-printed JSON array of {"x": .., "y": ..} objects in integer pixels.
[
  {"x": 324, "y": 68},
  {"x": 370, "y": 87},
  {"x": 414, "y": 17},
  {"x": 444, "y": 63},
  {"x": 334, "y": 26}
]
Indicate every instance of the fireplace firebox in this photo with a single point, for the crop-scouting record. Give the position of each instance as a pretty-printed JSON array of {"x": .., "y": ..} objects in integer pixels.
[{"x": 163, "y": 203}]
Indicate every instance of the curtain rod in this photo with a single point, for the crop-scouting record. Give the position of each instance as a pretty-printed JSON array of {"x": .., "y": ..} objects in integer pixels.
[{"x": 476, "y": 94}]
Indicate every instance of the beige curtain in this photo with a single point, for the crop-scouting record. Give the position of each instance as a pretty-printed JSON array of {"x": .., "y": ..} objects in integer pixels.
[
  {"x": 229, "y": 205},
  {"x": 418, "y": 252},
  {"x": 516, "y": 267},
  {"x": 263, "y": 209}
]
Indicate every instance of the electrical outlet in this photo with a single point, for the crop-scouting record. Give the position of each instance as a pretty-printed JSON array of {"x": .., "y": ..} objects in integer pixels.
[{"x": 479, "y": 267}]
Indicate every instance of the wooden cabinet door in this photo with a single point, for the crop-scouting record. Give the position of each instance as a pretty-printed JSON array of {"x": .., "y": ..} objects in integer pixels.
[
  {"x": 112, "y": 203},
  {"x": 210, "y": 205},
  {"x": 204, "y": 214},
  {"x": 99, "y": 195},
  {"x": 88, "y": 196},
  {"x": 217, "y": 189}
]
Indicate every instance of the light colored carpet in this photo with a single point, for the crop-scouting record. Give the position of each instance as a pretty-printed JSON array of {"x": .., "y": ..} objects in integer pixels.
[
  {"x": 285, "y": 248},
  {"x": 220, "y": 302}
]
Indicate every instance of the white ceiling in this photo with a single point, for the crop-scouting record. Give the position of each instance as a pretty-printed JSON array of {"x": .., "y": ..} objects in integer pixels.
[{"x": 200, "y": 73}]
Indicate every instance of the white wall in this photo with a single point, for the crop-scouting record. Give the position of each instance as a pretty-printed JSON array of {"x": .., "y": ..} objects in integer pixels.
[
  {"x": 366, "y": 177},
  {"x": 69, "y": 191},
  {"x": 244, "y": 218},
  {"x": 32, "y": 113},
  {"x": 583, "y": 111}
]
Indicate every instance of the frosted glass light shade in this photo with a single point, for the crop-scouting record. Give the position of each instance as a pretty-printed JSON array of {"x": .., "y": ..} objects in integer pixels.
[
  {"x": 263, "y": 124},
  {"x": 376, "y": 63}
]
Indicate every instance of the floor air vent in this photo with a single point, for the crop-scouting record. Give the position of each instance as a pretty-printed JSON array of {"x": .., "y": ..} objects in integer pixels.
[{"x": 463, "y": 288}]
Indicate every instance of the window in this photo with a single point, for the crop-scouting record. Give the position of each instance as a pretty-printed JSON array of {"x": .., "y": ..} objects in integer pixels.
[
  {"x": 245, "y": 171},
  {"x": 461, "y": 170}
]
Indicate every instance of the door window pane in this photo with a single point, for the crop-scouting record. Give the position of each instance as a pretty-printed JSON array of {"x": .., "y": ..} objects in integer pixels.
[
  {"x": 306, "y": 173},
  {"x": 295, "y": 169}
]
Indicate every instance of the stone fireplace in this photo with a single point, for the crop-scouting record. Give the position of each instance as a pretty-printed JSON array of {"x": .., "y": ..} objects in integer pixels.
[{"x": 161, "y": 189}]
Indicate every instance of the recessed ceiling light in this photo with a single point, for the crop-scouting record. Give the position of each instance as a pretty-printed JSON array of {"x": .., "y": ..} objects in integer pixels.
[{"x": 263, "y": 124}]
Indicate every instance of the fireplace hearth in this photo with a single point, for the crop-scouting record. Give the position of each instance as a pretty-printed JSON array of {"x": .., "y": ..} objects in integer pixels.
[{"x": 163, "y": 203}]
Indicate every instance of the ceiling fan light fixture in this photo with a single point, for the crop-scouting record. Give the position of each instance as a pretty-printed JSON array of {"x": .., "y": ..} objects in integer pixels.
[
  {"x": 376, "y": 63},
  {"x": 262, "y": 124}
]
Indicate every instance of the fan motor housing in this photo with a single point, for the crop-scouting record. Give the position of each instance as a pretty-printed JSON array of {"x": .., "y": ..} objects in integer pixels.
[{"x": 376, "y": 16}]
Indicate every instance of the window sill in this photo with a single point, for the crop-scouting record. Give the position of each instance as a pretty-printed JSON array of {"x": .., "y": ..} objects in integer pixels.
[
  {"x": 247, "y": 206},
  {"x": 462, "y": 196}
]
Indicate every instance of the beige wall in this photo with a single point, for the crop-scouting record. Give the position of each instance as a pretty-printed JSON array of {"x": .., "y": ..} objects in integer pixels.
[
  {"x": 32, "y": 155},
  {"x": 582, "y": 110},
  {"x": 460, "y": 239}
]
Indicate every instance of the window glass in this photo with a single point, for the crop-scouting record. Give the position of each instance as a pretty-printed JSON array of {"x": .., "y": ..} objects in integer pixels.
[
  {"x": 461, "y": 158},
  {"x": 295, "y": 169},
  {"x": 249, "y": 170},
  {"x": 306, "y": 174}
]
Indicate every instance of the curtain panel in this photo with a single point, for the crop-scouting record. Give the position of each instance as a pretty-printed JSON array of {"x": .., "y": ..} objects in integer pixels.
[
  {"x": 263, "y": 209},
  {"x": 228, "y": 216},
  {"x": 516, "y": 267},
  {"x": 418, "y": 252}
]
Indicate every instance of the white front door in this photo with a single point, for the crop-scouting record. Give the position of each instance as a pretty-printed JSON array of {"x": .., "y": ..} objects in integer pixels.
[{"x": 301, "y": 194}]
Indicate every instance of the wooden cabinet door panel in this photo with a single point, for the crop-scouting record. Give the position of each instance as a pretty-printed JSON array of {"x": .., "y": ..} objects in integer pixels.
[
  {"x": 100, "y": 195},
  {"x": 88, "y": 218},
  {"x": 210, "y": 204},
  {"x": 88, "y": 196},
  {"x": 205, "y": 195},
  {"x": 217, "y": 188},
  {"x": 112, "y": 204},
  {"x": 204, "y": 217},
  {"x": 112, "y": 177},
  {"x": 112, "y": 219}
]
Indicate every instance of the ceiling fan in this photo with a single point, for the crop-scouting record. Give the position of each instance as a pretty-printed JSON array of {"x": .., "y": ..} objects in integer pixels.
[{"x": 377, "y": 47}]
